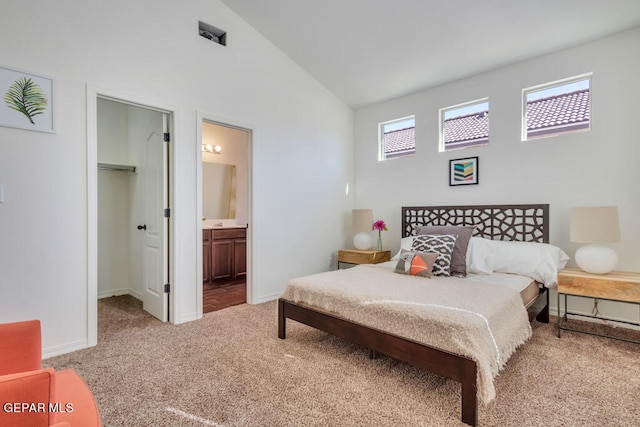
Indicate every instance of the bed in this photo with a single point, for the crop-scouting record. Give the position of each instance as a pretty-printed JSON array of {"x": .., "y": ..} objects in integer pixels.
[{"x": 522, "y": 223}]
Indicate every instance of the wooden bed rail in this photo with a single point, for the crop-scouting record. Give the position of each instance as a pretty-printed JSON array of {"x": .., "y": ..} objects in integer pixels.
[{"x": 449, "y": 365}]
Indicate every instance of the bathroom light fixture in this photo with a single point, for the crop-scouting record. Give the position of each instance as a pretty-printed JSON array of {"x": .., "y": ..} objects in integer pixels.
[
  {"x": 595, "y": 225},
  {"x": 215, "y": 149},
  {"x": 362, "y": 226}
]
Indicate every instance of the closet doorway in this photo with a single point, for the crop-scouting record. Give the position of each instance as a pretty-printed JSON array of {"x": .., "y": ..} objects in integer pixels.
[
  {"x": 133, "y": 203},
  {"x": 224, "y": 178}
]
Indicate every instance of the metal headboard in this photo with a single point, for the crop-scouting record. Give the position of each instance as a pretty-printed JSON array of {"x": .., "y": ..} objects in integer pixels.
[{"x": 528, "y": 223}]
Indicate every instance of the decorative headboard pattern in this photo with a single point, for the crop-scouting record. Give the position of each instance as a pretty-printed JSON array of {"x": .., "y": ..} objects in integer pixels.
[{"x": 529, "y": 222}]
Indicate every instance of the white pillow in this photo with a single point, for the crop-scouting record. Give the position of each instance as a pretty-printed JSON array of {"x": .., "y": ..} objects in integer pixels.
[
  {"x": 405, "y": 244},
  {"x": 540, "y": 261},
  {"x": 480, "y": 256}
]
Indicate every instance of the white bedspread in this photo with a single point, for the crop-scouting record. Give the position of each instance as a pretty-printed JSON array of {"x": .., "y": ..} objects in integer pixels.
[{"x": 481, "y": 321}]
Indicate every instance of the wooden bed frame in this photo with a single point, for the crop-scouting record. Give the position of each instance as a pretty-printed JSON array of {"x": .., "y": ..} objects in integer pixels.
[{"x": 528, "y": 222}]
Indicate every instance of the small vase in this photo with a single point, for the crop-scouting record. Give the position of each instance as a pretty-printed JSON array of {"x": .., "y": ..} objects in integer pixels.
[{"x": 379, "y": 247}]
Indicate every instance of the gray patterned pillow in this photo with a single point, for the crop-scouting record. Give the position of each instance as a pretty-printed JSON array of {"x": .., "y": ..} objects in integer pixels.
[
  {"x": 442, "y": 244},
  {"x": 459, "y": 255}
]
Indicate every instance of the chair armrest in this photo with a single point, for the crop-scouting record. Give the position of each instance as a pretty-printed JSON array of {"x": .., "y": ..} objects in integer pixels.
[
  {"x": 25, "y": 398},
  {"x": 71, "y": 389},
  {"x": 20, "y": 347}
]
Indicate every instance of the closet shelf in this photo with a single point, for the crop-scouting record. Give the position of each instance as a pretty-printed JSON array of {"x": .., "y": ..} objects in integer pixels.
[{"x": 117, "y": 168}]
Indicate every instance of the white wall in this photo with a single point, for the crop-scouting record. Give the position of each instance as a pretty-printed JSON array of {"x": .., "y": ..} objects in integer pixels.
[
  {"x": 150, "y": 49},
  {"x": 582, "y": 169}
]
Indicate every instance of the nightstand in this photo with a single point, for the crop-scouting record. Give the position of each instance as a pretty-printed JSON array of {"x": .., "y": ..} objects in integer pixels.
[
  {"x": 615, "y": 286},
  {"x": 355, "y": 256}
]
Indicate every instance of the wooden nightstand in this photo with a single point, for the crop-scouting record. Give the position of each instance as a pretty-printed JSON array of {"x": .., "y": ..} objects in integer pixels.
[
  {"x": 615, "y": 286},
  {"x": 355, "y": 256}
]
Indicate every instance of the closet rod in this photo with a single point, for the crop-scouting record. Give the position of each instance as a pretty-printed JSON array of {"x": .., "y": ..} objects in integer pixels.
[{"x": 118, "y": 168}]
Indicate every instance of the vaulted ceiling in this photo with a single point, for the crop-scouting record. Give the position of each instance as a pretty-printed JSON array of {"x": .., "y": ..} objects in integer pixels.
[{"x": 366, "y": 51}]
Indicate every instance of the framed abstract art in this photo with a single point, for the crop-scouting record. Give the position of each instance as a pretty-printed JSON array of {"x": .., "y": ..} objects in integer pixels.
[{"x": 463, "y": 171}]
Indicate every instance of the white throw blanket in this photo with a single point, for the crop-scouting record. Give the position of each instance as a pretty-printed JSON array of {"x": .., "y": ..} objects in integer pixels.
[{"x": 483, "y": 322}]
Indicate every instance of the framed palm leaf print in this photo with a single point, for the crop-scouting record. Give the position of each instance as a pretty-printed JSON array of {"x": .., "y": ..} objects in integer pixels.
[{"x": 26, "y": 101}]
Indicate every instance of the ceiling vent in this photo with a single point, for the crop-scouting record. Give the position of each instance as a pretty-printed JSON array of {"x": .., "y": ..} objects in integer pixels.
[{"x": 212, "y": 33}]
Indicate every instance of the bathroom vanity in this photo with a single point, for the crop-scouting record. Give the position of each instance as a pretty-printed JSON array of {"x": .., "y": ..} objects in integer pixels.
[{"x": 224, "y": 254}]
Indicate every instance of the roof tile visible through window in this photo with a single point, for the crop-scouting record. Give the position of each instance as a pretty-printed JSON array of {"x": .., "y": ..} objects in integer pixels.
[
  {"x": 567, "y": 111},
  {"x": 563, "y": 112},
  {"x": 472, "y": 129},
  {"x": 399, "y": 141}
]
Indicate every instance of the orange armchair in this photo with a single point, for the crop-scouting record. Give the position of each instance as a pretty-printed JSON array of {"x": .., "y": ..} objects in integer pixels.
[{"x": 32, "y": 396}]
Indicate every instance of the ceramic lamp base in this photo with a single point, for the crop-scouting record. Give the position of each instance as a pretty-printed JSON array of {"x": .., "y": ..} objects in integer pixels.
[
  {"x": 363, "y": 241},
  {"x": 596, "y": 259}
]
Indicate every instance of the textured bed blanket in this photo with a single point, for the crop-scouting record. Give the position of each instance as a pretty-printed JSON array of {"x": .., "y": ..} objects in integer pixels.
[{"x": 483, "y": 322}]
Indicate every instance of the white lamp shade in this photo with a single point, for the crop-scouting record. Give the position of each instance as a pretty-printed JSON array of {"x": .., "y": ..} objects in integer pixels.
[
  {"x": 362, "y": 220},
  {"x": 595, "y": 224},
  {"x": 597, "y": 259}
]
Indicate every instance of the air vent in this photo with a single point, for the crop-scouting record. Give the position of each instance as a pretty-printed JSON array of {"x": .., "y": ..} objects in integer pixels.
[{"x": 212, "y": 33}]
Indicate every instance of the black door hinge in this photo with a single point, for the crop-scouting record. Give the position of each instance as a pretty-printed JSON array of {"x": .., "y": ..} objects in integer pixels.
[
  {"x": 167, "y": 137},
  {"x": 167, "y": 288},
  {"x": 167, "y": 213}
]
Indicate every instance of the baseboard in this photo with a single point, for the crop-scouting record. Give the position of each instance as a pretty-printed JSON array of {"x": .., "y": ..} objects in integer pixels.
[
  {"x": 63, "y": 349},
  {"x": 187, "y": 317},
  {"x": 120, "y": 292},
  {"x": 264, "y": 298},
  {"x": 113, "y": 293}
]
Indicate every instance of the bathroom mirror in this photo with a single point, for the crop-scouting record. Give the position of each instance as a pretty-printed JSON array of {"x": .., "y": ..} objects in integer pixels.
[{"x": 218, "y": 191}]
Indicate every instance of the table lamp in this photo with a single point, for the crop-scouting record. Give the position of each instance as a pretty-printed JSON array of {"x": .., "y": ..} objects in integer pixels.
[
  {"x": 595, "y": 225},
  {"x": 362, "y": 221}
]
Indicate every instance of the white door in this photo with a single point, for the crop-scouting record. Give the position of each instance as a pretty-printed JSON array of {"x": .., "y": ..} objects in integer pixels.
[{"x": 156, "y": 227}]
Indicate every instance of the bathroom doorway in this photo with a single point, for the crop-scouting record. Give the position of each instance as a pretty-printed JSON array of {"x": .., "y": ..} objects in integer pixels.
[{"x": 224, "y": 205}]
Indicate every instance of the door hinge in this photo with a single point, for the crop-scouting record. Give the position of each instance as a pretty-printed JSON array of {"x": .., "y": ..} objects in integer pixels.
[
  {"x": 167, "y": 288},
  {"x": 167, "y": 137},
  {"x": 167, "y": 213}
]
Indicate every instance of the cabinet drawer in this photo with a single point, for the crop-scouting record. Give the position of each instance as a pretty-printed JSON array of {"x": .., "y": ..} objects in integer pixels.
[{"x": 228, "y": 233}]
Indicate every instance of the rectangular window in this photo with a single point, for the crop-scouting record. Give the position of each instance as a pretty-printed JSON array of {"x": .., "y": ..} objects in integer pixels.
[
  {"x": 397, "y": 138},
  {"x": 558, "y": 107},
  {"x": 464, "y": 125}
]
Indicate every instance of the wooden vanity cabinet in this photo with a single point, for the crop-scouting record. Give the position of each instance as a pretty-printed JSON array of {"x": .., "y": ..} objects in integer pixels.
[
  {"x": 240, "y": 256},
  {"x": 206, "y": 256},
  {"x": 226, "y": 256}
]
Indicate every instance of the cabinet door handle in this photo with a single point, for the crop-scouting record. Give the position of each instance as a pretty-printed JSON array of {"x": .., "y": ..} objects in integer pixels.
[{"x": 142, "y": 227}]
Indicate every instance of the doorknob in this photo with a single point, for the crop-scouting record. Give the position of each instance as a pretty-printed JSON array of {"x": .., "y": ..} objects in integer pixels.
[{"x": 142, "y": 227}]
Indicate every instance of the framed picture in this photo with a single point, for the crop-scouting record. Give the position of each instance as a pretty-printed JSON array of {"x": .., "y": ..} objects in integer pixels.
[
  {"x": 26, "y": 101},
  {"x": 463, "y": 171}
]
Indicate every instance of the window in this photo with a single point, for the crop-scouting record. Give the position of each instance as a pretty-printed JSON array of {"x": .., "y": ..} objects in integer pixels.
[
  {"x": 464, "y": 125},
  {"x": 397, "y": 138},
  {"x": 558, "y": 107}
]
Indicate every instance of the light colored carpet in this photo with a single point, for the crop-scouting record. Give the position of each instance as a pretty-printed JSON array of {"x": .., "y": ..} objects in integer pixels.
[{"x": 230, "y": 369}]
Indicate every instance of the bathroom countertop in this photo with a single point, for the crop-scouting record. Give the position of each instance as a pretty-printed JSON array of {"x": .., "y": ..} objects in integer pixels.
[
  {"x": 222, "y": 227},
  {"x": 221, "y": 224}
]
